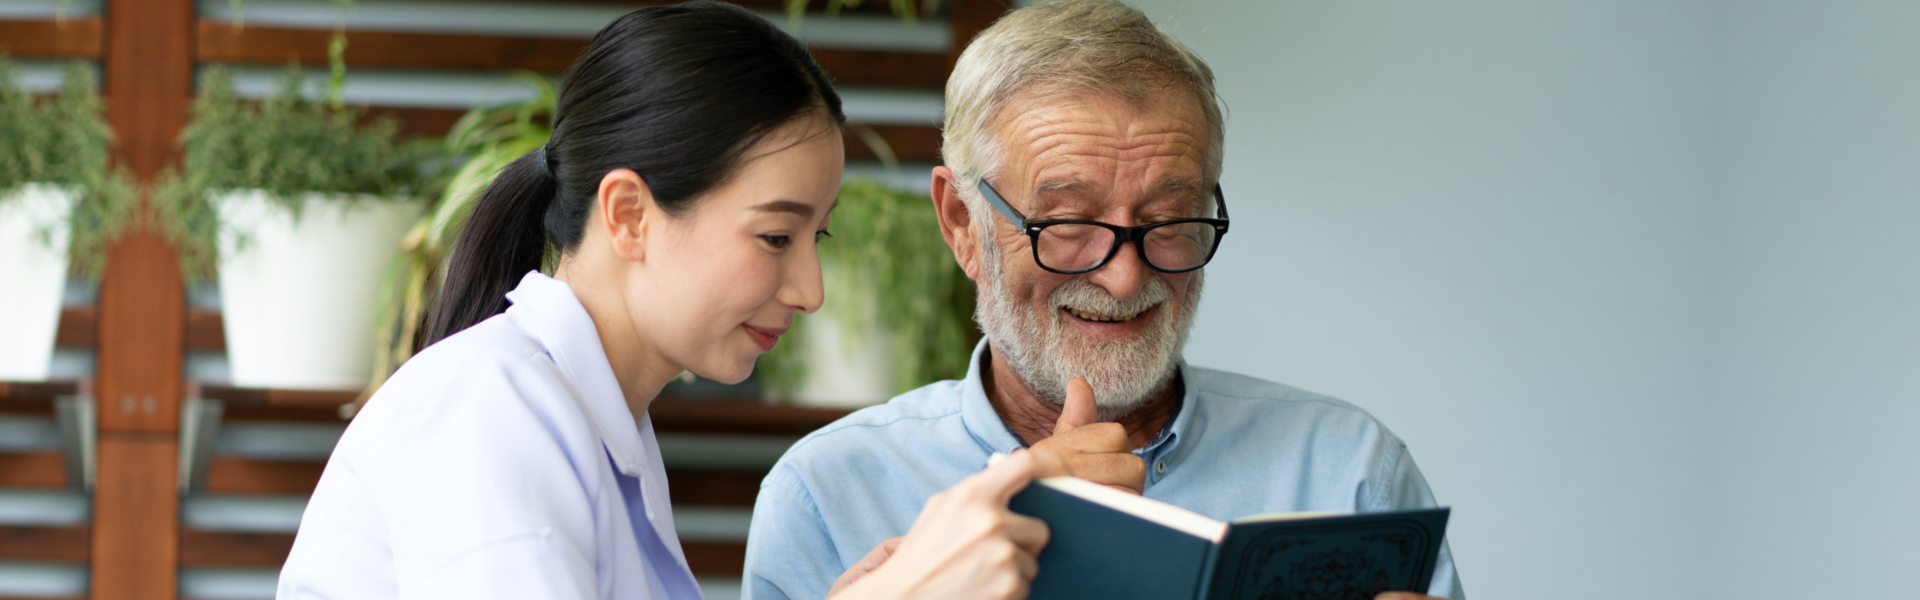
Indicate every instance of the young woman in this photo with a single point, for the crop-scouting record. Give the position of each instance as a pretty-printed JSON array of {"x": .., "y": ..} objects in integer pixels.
[{"x": 695, "y": 159}]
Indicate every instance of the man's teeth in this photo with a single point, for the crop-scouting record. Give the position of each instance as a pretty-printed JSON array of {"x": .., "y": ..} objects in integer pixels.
[{"x": 1097, "y": 317}]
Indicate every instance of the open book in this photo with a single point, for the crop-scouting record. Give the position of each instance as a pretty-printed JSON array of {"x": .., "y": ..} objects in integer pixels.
[{"x": 1114, "y": 545}]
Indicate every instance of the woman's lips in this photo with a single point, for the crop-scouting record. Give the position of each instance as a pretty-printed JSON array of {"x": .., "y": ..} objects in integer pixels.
[{"x": 766, "y": 338}]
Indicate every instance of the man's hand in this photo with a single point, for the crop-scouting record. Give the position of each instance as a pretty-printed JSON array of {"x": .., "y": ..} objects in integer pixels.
[{"x": 1095, "y": 451}]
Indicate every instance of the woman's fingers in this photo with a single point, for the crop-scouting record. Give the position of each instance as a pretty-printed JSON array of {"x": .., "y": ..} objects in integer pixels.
[
  {"x": 1029, "y": 565},
  {"x": 1001, "y": 480},
  {"x": 1028, "y": 533}
]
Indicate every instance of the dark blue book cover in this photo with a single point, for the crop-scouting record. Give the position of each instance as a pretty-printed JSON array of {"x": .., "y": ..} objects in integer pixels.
[{"x": 1106, "y": 546}]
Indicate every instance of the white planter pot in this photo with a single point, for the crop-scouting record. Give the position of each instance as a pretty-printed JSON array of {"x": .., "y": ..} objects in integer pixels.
[
  {"x": 33, "y": 273},
  {"x": 298, "y": 298},
  {"x": 843, "y": 369}
]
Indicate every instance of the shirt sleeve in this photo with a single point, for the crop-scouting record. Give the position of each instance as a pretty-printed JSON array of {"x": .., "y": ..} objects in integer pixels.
[
  {"x": 789, "y": 554},
  {"x": 1398, "y": 485}
]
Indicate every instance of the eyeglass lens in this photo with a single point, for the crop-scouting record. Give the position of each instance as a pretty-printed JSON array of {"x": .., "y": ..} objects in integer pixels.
[{"x": 1172, "y": 247}]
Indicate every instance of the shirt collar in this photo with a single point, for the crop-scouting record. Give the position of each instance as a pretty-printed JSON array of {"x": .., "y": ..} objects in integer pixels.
[
  {"x": 992, "y": 433},
  {"x": 548, "y": 310}
]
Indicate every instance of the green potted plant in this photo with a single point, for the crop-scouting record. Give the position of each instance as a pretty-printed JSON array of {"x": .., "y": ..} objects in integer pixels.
[
  {"x": 482, "y": 142},
  {"x": 299, "y": 207},
  {"x": 898, "y": 311},
  {"x": 60, "y": 206}
]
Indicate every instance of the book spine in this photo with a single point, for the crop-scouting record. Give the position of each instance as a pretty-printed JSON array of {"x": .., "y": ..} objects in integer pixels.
[{"x": 1207, "y": 574}]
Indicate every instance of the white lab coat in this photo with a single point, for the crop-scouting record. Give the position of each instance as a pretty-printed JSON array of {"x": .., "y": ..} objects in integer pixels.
[{"x": 485, "y": 468}]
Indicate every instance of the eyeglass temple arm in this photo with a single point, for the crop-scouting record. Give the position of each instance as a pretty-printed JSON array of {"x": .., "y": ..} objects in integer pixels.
[{"x": 1000, "y": 204}]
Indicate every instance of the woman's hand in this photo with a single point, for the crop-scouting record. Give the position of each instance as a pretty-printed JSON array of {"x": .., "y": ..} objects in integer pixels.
[{"x": 965, "y": 543}]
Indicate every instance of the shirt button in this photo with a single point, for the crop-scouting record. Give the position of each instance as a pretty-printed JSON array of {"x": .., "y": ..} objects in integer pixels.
[{"x": 1160, "y": 467}]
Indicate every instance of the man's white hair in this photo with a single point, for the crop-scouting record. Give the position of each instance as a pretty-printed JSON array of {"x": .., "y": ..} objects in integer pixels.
[{"x": 1056, "y": 49}]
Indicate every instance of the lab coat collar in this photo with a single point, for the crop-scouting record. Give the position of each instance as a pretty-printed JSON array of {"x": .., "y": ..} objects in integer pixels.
[{"x": 548, "y": 310}]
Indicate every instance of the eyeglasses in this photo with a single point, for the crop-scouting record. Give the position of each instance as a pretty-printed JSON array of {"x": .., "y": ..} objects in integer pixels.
[{"x": 1071, "y": 247}]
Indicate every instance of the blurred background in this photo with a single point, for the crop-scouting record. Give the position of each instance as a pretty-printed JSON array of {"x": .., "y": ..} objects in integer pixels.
[{"x": 1636, "y": 281}]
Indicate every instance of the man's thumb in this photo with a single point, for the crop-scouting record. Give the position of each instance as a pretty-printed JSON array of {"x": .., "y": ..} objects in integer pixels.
[{"x": 1079, "y": 408}]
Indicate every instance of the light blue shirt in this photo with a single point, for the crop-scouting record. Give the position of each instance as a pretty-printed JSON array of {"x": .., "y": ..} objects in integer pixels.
[{"x": 1239, "y": 446}]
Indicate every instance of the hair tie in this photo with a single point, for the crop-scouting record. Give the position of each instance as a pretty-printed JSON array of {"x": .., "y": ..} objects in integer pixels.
[{"x": 546, "y": 158}]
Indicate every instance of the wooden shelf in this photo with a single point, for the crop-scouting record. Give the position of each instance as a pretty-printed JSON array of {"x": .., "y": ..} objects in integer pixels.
[
  {"x": 250, "y": 549},
  {"x": 74, "y": 38},
  {"x": 35, "y": 397},
  {"x": 218, "y": 41},
  {"x": 814, "y": 7},
  {"x": 38, "y": 391},
  {"x": 80, "y": 328},
  {"x": 37, "y": 469},
  {"x": 38, "y": 543},
  {"x": 670, "y": 414}
]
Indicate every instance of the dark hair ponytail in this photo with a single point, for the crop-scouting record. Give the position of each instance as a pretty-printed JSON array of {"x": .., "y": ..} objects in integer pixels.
[{"x": 676, "y": 93}]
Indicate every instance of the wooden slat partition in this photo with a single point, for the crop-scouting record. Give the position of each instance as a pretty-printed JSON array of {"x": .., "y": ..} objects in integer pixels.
[
  {"x": 74, "y": 38},
  {"x": 219, "y": 41}
]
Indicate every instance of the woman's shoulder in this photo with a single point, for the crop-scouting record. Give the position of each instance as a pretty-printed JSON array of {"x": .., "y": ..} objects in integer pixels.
[{"x": 490, "y": 385}]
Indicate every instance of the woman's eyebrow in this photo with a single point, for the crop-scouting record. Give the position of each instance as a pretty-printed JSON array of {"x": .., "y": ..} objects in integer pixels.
[{"x": 787, "y": 206}]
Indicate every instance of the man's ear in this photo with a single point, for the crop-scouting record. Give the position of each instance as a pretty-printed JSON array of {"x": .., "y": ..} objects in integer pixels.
[
  {"x": 956, "y": 224},
  {"x": 627, "y": 210}
]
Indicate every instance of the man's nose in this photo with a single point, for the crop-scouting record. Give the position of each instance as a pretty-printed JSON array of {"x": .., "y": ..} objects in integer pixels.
[{"x": 1124, "y": 275}]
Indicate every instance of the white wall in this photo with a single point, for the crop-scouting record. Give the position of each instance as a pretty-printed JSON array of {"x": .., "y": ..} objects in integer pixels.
[
  {"x": 1817, "y": 346},
  {"x": 1638, "y": 281}
]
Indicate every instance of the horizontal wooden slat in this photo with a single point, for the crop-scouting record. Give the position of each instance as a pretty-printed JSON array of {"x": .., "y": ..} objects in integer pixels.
[
  {"x": 240, "y": 397},
  {"x": 233, "y": 548},
  {"x": 219, "y": 41},
  {"x": 233, "y": 475},
  {"x": 813, "y": 6},
  {"x": 44, "y": 469},
  {"x": 738, "y": 417},
  {"x": 36, "y": 391},
  {"x": 205, "y": 331},
  {"x": 79, "y": 327},
  {"x": 909, "y": 143},
  {"x": 249, "y": 549},
  {"x": 670, "y": 414},
  {"x": 715, "y": 558},
  {"x": 75, "y": 38},
  {"x": 713, "y": 488},
  {"x": 55, "y": 544},
  {"x": 34, "y": 397}
]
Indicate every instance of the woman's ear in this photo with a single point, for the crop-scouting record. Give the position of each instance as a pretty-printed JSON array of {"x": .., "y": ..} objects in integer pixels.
[{"x": 627, "y": 209}]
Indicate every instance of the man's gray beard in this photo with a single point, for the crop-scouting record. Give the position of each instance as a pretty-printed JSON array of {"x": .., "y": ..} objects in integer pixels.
[{"x": 1040, "y": 350}]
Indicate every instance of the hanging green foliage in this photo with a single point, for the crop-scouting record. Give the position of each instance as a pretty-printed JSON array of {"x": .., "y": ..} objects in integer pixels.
[{"x": 64, "y": 140}]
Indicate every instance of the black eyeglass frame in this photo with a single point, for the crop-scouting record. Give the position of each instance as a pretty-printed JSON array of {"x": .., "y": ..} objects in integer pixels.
[{"x": 1121, "y": 235}]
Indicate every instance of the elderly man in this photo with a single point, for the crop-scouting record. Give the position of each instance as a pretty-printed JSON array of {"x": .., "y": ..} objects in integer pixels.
[{"x": 1083, "y": 148}]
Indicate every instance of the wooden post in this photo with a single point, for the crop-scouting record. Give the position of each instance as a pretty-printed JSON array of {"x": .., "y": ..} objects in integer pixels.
[{"x": 148, "y": 63}]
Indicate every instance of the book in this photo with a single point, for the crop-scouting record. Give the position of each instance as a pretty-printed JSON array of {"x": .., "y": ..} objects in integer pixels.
[{"x": 1110, "y": 544}]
